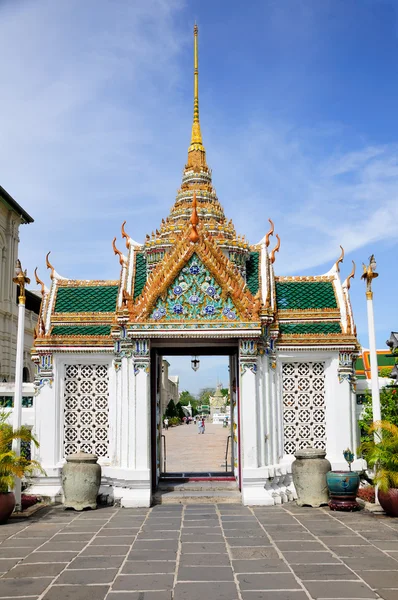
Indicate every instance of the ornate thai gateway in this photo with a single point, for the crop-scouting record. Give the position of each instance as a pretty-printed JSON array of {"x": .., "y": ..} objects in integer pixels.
[{"x": 195, "y": 286}]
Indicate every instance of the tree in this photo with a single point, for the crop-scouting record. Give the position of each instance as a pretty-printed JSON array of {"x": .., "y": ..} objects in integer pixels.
[
  {"x": 180, "y": 412},
  {"x": 187, "y": 398},
  {"x": 204, "y": 395},
  {"x": 388, "y": 405},
  {"x": 171, "y": 410}
]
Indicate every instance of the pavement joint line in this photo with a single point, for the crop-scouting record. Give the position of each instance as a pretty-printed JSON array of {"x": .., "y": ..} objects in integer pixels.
[
  {"x": 236, "y": 581},
  {"x": 87, "y": 544},
  {"x": 280, "y": 554},
  {"x": 179, "y": 551},
  {"x": 338, "y": 557},
  {"x": 119, "y": 571}
]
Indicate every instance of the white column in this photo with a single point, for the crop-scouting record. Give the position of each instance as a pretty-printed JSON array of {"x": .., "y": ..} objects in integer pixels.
[
  {"x": 17, "y": 412},
  {"x": 374, "y": 372}
]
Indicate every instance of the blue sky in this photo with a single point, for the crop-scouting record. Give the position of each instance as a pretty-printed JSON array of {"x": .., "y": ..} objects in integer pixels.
[{"x": 298, "y": 112}]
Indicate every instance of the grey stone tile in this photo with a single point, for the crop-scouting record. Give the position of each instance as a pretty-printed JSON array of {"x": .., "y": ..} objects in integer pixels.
[
  {"x": 166, "y": 595},
  {"x": 380, "y": 535},
  {"x": 199, "y": 548},
  {"x": 232, "y": 533},
  {"x": 48, "y": 557},
  {"x": 161, "y": 526},
  {"x": 72, "y": 537},
  {"x": 159, "y": 535},
  {"x": 77, "y": 592},
  {"x": 274, "y": 581},
  {"x": 156, "y": 545},
  {"x": 238, "y": 518},
  {"x": 253, "y": 553},
  {"x": 25, "y": 586},
  {"x": 152, "y": 554},
  {"x": 105, "y": 551},
  {"x": 378, "y": 579},
  {"x": 275, "y": 595},
  {"x": 312, "y": 546},
  {"x": 200, "y": 537},
  {"x": 125, "y": 540},
  {"x": 204, "y": 560},
  {"x": 372, "y": 563},
  {"x": 36, "y": 570},
  {"x": 357, "y": 551},
  {"x": 202, "y": 530},
  {"x": 333, "y": 590},
  {"x": 299, "y": 536},
  {"x": 7, "y": 563},
  {"x": 270, "y": 565},
  {"x": 323, "y": 572},
  {"x": 23, "y": 542},
  {"x": 96, "y": 562},
  {"x": 86, "y": 576},
  {"x": 200, "y": 591},
  {"x": 249, "y": 541},
  {"x": 118, "y": 532},
  {"x": 243, "y": 525},
  {"x": 344, "y": 540},
  {"x": 388, "y": 545},
  {"x": 15, "y": 552},
  {"x": 387, "y": 594},
  {"x": 309, "y": 557},
  {"x": 61, "y": 546},
  {"x": 139, "y": 567},
  {"x": 143, "y": 582},
  {"x": 205, "y": 574}
]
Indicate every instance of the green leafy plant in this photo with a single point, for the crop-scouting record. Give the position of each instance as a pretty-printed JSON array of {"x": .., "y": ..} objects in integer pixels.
[
  {"x": 173, "y": 421},
  {"x": 12, "y": 465},
  {"x": 389, "y": 409},
  {"x": 382, "y": 454}
]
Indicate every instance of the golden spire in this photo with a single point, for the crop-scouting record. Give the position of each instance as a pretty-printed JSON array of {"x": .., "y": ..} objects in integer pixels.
[{"x": 196, "y": 136}]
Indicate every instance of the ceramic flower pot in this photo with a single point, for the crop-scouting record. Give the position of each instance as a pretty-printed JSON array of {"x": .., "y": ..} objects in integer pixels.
[
  {"x": 7, "y": 505},
  {"x": 389, "y": 501},
  {"x": 343, "y": 487},
  {"x": 81, "y": 478}
]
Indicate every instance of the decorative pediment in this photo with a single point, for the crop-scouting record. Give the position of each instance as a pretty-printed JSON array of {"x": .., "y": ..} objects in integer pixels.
[{"x": 195, "y": 282}]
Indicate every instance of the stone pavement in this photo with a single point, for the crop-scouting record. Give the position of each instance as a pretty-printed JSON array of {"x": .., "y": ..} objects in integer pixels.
[
  {"x": 196, "y": 552},
  {"x": 188, "y": 451}
]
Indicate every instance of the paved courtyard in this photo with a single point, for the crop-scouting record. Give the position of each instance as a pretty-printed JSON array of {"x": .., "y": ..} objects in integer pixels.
[
  {"x": 196, "y": 552},
  {"x": 186, "y": 450}
]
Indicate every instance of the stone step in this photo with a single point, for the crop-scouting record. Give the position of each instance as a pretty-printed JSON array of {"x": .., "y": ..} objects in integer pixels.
[
  {"x": 197, "y": 497},
  {"x": 197, "y": 486}
]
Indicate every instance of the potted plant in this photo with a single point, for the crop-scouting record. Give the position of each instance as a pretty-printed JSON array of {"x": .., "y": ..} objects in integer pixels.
[
  {"x": 382, "y": 454},
  {"x": 11, "y": 465},
  {"x": 343, "y": 486}
]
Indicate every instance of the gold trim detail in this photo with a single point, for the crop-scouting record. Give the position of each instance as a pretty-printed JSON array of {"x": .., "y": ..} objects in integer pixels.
[
  {"x": 339, "y": 260},
  {"x": 276, "y": 249},
  {"x": 271, "y": 232}
]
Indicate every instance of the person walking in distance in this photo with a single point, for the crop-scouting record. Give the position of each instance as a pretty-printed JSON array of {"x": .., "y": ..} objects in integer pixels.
[
  {"x": 166, "y": 423},
  {"x": 200, "y": 426},
  {"x": 203, "y": 426}
]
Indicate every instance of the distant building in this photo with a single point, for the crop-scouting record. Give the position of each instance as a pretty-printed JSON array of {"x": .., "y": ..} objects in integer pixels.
[
  {"x": 169, "y": 389},
  {"x": 12, "y": 215}
]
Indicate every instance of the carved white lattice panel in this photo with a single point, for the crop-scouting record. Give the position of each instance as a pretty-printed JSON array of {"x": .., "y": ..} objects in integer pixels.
[
  {"x": 86, "y": 425},
  {"x": 303, "y": 406}
]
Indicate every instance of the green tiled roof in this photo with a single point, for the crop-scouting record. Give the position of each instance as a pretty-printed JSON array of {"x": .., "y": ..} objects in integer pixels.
[
  {"x": 98, "y": 298},
  {"x": 359, "y": 366},
  {"x": 385, "y": 361},
  {"x": 140, "y": 274},
  {"x": 81, "y": 330},
  {"x": 252, "y": 267},
  {"x": 310, "y": 327},
  {"x": 304, "y": 295}
]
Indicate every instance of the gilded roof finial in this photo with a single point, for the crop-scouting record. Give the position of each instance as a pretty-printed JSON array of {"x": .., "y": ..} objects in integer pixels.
[
  {"x": 271, "y": 232},
  {"x": 40, "y": 282},
  {"x": 340, "y": 259},
  {"x": 49, "y": 265},
  {"x": 125, "y": 235},
  {"x": 276, "y": 249},
  {"x": 194, "y": 236},
  {"x": 196, "y": 136},
  {"x": 350, "y": 276},
  {"x": 116, "y": 251}
]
